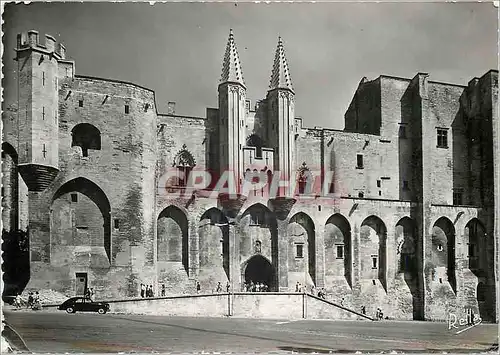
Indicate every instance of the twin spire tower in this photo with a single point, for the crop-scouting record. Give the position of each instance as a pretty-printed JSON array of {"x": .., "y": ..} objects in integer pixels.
[{"x": 273, "y": 124}]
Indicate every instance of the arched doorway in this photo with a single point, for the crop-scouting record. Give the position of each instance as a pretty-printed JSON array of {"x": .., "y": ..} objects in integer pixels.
[{"x": 258, "y": 270}]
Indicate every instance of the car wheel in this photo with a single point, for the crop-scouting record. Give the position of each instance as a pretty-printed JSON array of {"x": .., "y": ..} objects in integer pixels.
[
  {"x": 70, "y": 310},
  {"x": 101, "y": 311}
]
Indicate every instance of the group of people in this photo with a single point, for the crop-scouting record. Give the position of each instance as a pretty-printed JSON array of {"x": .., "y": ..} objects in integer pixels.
[
  {"x": 256, "y": 287},
  {"x": 33, "y": 301},
  {"x": 147, "y": 291}
]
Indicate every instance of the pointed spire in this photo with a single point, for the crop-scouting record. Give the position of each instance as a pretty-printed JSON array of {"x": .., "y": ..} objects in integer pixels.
[
  {"x": 280, "y": 76},
  {"x": 231, "y": 68}
]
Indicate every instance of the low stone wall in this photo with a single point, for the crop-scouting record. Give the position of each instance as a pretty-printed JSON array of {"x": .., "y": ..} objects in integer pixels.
[
  {"x": 210, "y": 305},
  {"x": 246, "y": 305}
]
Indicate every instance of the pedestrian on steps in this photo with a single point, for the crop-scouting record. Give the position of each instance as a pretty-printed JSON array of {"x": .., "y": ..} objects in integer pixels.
[
  {"x": 198, "y": 287},
  {"x": 143, "y": 290}
]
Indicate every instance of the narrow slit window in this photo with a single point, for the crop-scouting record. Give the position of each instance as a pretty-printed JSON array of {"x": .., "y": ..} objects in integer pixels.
[
  {"x": 117, "y": 223},
  {"x": 74, "y": 198},
  {"x": 374, "y": 262},
  {"x": 80, "y": 103},
  {"x": 127, "y": 109},
  {"x": 299, "y": 250},
  {"x": 340, "y": 252},
  {"x": 359, "y": 161}
]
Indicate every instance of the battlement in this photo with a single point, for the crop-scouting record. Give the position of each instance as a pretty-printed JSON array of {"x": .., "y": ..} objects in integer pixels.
[{"x": 31, "y": 39}]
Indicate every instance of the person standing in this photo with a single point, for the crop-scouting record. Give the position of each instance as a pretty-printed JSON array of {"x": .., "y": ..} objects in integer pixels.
[
  {"x": 163, "y": 290},
  {"x": 219, "y": 287},
  {"x": 228, "y": 287},
  {"x": 30, "y": 300},
  {"x": 198, "y": 287},
  {"x": 151, "y": 293},
  {"x": 143, "y": 290}
]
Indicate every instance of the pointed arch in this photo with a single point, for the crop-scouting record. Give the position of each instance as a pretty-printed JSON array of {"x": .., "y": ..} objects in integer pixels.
[
  {"x": 259, "y": 269},
  {"x": 76, "y": 202},
  {"x": 443, "y": 250},
  {"x": 258, "y": 224},
  {"x": 406, "y": 246},
  {"x": 373, "y": 235},
  {"x": 477, "y": 254},
  {"x": 184, "y": 162},
  {"x": 213, "y": 233},
  {"x": 338, "y": 247},
  {"x": 172, "y": 236},
  {"x": 307, "y": 224}
]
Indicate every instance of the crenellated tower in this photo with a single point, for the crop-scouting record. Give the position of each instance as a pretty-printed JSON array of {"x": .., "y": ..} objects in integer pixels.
[
  {"x": 232, "y": 96},
  {"x": 38, "y": 132},
  {"x": 281, "y": 115}
]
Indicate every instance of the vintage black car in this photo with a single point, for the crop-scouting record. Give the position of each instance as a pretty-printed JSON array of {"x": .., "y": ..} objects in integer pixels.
[{"x": 83, "y": 304}]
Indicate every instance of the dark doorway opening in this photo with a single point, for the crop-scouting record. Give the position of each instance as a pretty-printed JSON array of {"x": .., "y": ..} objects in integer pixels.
[
  {"x": 259, "y": 270},
  {"x": 81, "y": 283}
]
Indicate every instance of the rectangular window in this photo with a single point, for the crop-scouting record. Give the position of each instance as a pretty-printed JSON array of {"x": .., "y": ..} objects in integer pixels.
[
  {"x": 299, "y": 250},
  {"x": 43, "y": 78},
  {"x": 44, "y": 152},
  {"x": 74, "y": 198},
  {"x": 117, "y": 223},
  {"x": 80, "y": 103},
  {"x": 402, "y": 132},
  {"x": 374, "y": 261},
  {"x": 458, "y": 197},
  {"x": 442, "y": 138},
  {"x": 340, "y": 251},
  {"x": 405, "y": 185},
  {"x": 43, "y": 113},
  {"x": 274, "y": 126},
  {"x": 127, "y": 108},
  {"x": 359, "y": 161},
  {"x": 379, "y": 183}
]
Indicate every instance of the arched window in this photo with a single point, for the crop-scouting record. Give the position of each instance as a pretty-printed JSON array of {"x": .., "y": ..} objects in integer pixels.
[
  {"x": 254, "y": 140},
  {"x": 184, "y": 162},
  {"x": 87, "y": 137}
]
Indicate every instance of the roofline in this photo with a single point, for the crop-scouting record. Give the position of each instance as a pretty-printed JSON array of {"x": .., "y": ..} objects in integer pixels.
[
  {"x": 447, "y": 84},
  {"x": 181, "y": 116},
  {"x": 114, "y": 81}
]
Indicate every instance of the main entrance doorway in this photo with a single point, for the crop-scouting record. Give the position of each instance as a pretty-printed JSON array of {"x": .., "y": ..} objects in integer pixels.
[
  {"x": 258, "y": 270},
  {"x": 81, "y": 283}
]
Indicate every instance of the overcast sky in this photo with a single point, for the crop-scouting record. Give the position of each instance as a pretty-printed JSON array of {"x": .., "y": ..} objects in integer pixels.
[{"x": 176, "y": 49}]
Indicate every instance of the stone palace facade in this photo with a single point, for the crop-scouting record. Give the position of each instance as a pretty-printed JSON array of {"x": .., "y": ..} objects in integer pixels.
[{"x": 396, "y": 211}]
